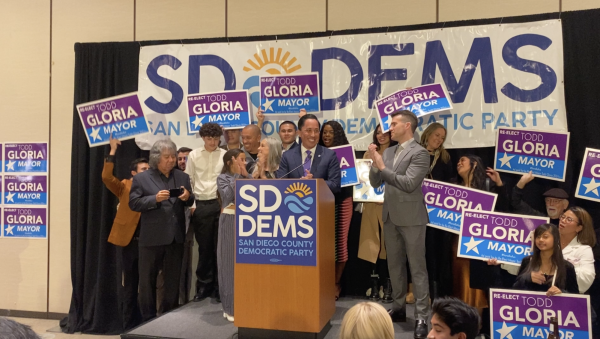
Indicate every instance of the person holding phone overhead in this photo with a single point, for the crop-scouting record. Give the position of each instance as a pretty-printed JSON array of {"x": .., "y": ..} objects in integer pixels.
[{"x": 162, "y": 230}]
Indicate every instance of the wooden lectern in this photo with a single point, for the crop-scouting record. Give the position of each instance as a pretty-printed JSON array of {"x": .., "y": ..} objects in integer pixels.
[{"x": 278, "y": 301}]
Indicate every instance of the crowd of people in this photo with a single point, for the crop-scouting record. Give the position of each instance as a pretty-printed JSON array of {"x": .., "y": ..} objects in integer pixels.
[{"x": 181, "y": 193}]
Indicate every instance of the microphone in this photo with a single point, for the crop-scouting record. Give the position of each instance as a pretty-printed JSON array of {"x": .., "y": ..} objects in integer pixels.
[{"x": 285, "y": 175}]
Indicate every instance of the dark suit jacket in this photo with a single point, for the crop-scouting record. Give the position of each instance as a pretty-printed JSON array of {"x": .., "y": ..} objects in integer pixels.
[
  {"x": 154, "y": 229},
  {"x": 126, "y": 220},
  {"x": 325, "y": 166}
]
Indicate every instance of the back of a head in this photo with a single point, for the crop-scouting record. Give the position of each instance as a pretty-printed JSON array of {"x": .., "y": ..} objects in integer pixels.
[
  {"x": 457, "y": 315},
  {"x": 367, "y": 320},
  {"x": 10, "y": 329}
]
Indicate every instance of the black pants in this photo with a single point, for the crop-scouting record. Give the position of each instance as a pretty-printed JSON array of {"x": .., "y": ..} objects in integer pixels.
[
  {"x": 152, "y": 259},
  {"x": 128, "y": 288},
  {"x": 206, "y": 225}
]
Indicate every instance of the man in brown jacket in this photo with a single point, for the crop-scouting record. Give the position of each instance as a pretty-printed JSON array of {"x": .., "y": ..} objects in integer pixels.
[{"x": 124, "y": 234}]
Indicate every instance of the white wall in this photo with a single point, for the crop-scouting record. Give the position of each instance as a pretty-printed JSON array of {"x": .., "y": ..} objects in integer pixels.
[{"x": 38, "y": 37}]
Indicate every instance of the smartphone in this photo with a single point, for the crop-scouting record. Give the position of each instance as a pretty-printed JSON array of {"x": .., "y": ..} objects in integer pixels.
[{"x": 175, "y": 192}]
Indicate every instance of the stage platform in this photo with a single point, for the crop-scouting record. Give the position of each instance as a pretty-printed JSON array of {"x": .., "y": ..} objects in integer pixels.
[{"x": 205, "y": 320}]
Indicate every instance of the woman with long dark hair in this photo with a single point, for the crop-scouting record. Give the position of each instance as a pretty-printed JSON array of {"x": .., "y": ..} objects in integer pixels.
[
  {"x": 546, "y": 270},
  {"x": 332, "y": 135},
  {"x": 234, "y": 167},
  {"x": 438, "y": 243},
  {"x": 371, "y": 246}
]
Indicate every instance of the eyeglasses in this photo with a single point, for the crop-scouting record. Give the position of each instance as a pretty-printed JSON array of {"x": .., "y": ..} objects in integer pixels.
[{"x": 568, "y": 219}]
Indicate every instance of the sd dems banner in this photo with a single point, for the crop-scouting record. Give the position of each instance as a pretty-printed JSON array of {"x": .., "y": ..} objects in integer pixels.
[
  {"x": 25, "y": 190},
  {"x": 122, "y": 116},
  {"x": 25, "y": 223},
  {"x": 445, "y": 203},
  {"x": 589, "y": 176},
  {"x": 347, "y": 160},
  {"x": 491, "y": 235},
  {"x": 276, "y": 222},
  {"x": 542, "y": 153},
  {"x": 288, "y": 94},
  {"x": 522, "y": 314},
  {"x": 229, "y": 109},
  {"x": 25, "y": 157},
  {"x": 421, "y": 100},
  {"x": 507, "y": 75}
]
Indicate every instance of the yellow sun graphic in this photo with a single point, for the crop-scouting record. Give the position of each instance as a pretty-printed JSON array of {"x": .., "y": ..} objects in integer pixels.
[
  {"x": 299, "y": 189},
  {"x": 285, "y": 66}
]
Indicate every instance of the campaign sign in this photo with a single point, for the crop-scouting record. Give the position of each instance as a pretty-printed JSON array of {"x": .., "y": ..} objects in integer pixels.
[
  {"x": 542, "y": 153},
  {"x": 491, "y": 235},
  {"x": 121, "y": 116},
  {"x": 347, "y": 160},
  {"x": 25, "y": 190},
  {"x": 229, "y": 109},
  {"x": 445, "y": 203},
  {"x": 288, "y": 94},
  {"x": 364, "y": 192},
  {"x": 587, "y": 186},
  {"x": 420, "y": 100},
  {"x": 25, "y": 223},
  {"x": 522, "y": 314},
  {"x": 276, "y": 222},
  {"x": 25, "y": 157}
]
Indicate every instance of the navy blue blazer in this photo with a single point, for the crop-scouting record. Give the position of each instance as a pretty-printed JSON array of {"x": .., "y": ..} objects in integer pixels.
[
  {"x": 325, "y": 166},
  {"x": 156, "y": 216}
]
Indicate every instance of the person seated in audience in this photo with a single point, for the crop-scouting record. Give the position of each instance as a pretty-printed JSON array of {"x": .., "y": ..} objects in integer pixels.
[
  {"x": 452, "y": 318},
  {"x": 10, "y": 329},
  {"x": 577, "y": 237},
  {"x": 268, "y": 159},
  {"x": 557, "y": 200},
  {"x": 546, "y": 270},
  {"x": 367, "y": 320}
]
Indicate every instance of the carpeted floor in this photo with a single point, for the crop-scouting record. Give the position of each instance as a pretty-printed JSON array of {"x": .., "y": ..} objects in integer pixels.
[{"x": 205, "y": 320}]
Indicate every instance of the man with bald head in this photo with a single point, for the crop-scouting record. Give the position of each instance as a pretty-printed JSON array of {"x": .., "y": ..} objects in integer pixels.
[{"x": 251, "y": 140}]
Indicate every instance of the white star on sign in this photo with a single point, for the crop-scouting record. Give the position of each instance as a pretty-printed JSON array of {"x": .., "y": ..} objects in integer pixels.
[
  {"x": 505, "y": 160},
  {"x": 95, "y": 134},
  {"x": 430, "y": 209},
  {"x": 592, "y": 186},
  {"x": 268, "y": 104},
  {"x": 388, "y": 122},
  {"x": 198, "y": 122},
  {"x": 505, "y": 331},
  {"x": 10, "y": 166},
  {"x": 8, "y": 229},
  {"x": 9, "y": 197},
  {"x": 472, "y": 245}
]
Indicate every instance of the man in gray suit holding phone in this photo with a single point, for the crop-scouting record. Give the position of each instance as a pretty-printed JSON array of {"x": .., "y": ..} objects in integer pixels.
[{"x": 403, "y": 168}]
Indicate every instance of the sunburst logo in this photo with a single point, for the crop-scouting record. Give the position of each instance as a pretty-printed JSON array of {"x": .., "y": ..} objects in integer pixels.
[
  {"x": 272, "y": 61},
  {"x": 298, "y": 200},
  {"x": 277, "y": 63}
]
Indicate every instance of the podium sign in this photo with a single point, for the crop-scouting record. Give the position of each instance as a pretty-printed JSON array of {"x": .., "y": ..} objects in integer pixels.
[{"x": 276, "y": 222}]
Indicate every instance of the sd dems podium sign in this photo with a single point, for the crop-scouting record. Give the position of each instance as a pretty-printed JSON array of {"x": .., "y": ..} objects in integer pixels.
[{"x": 276, "y": 222}]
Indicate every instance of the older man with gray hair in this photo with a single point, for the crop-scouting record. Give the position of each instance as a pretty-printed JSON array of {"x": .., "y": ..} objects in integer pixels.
[{"x": 161, "y": 195}]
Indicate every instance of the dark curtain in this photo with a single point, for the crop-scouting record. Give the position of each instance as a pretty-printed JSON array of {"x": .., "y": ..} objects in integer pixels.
[
  {"x": 101, "y": 70},
  {"x": 109, "y": 69}
]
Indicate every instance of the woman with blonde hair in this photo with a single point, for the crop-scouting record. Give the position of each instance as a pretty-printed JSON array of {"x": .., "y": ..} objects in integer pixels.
[{"x": 367, "y": 320}]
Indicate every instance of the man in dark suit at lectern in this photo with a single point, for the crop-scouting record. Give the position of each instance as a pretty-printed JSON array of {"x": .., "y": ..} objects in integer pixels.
[
  {"x": 161, "y": 195},
  {"x": 403, "y": 168},
  {"x": 311, "y": 160}
]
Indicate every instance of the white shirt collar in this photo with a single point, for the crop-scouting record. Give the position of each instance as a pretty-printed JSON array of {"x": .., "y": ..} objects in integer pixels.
[{"x": 312, "y": 150}]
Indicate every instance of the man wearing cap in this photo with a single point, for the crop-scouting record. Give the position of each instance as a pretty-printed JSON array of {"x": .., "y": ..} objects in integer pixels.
[{"x": 557, "y": 201}]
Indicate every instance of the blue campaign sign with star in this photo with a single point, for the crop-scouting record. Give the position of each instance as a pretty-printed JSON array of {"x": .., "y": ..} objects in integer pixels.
[
  {"x": 25, "y": 157},
  {"x": 544, "y": 154},
  {"x": 364, "y": 192},
  {"x": 288, "y": 94},
  {"x": 491, "y": 235},
  {"x": 589, "y": 176},
  {"x": 522, "y": 314},
  {"x": 25, "y": 223},
  {"x": 25, "y": 190},
  {"x": 276, "y": 222},
  {"x": 229, "y": 109}
]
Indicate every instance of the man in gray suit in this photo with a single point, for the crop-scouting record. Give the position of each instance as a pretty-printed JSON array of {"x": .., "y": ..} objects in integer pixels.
[{"x": 403, "y": 168}]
